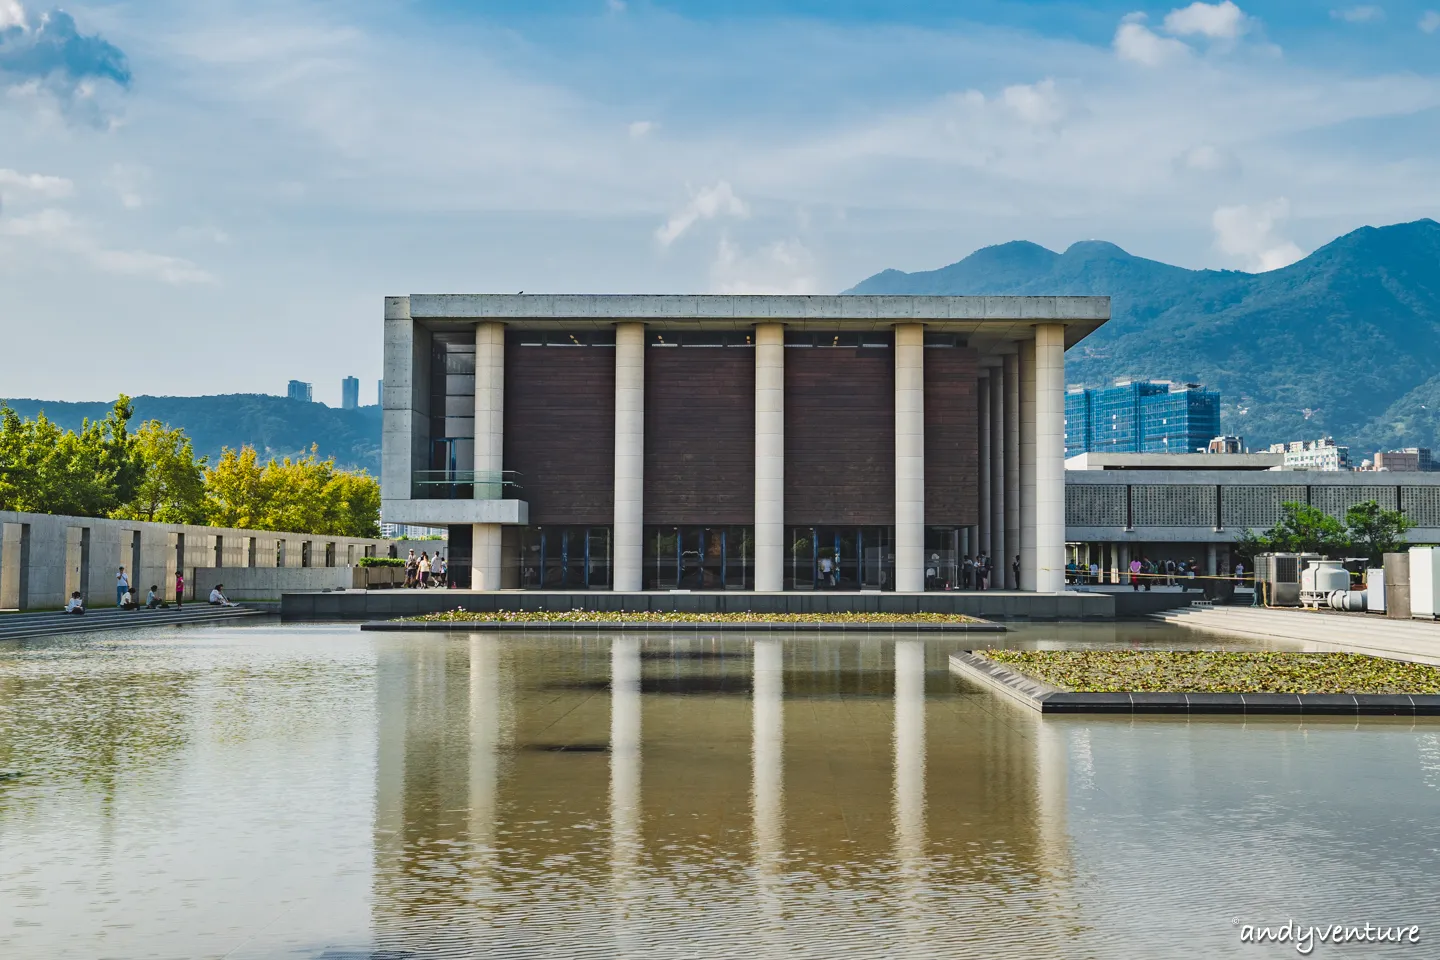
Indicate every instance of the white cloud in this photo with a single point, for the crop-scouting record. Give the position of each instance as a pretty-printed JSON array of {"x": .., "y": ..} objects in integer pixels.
[
  {"x": 12, "y": 14},
  {"x": 785, "y": 266},
  {"x": 641, "y": 128},
  {"x": 37, "y": 183},
  {"x": 128, "y": 184},
  {"x": 615, "y": 6},
  {"x": 56, "y": 230},
  {"x": 1139, "y": 44},
  {"x": 1035, "y": 103},
  {"x": 1249, "y": 233},
  {"x": 1430, "y": 21},
  {"x": 1365, "y": 13},
  {"x": 707, "y": 204},
  {"x": 1207, "y": 158},
  {"x": 1217, "y": 21}
]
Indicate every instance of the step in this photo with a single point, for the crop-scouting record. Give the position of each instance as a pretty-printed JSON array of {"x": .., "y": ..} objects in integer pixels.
[{"x": 24, "y": 626}]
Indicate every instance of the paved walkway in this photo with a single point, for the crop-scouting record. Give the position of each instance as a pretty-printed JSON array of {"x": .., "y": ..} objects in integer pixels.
[
  {"x": 1415, "y": 640},
  {"x": 22, "y": 626}
]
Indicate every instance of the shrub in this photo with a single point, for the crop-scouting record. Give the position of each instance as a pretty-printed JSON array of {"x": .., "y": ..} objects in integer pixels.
[{"x": 381, "y": 562}]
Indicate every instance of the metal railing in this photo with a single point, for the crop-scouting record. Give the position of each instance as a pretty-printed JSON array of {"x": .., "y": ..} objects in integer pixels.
[{"x": 466, "y": 485}]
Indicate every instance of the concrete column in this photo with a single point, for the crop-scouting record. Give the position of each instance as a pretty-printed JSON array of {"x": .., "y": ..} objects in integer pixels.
[
  {"x": 769, "y": 456},
  {"x": 1212, "y": 560},
  {"x": 982, "y": 390},
  {"x": 489, "y": 450},
  {"x": 1012, "y": 467},
  {"x": 1050, "y": 457},
  {"x": 909, "y": 457},
  {"x": 1125, "y": 563},
  {"x": 1027, "y": 465},
  {"x": 997, "y": 475},
  {"x": 629, "y": 453}
]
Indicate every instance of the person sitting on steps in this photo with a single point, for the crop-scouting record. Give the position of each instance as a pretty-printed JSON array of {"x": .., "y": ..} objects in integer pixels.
[
  {"x": 153, "y": 601},
  {"x": 76, "y": 605},
  {"x": 217, "y": 599}
]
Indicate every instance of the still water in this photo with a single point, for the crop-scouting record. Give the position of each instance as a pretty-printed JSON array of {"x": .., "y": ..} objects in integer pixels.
[{"x": 318, "y": 792}]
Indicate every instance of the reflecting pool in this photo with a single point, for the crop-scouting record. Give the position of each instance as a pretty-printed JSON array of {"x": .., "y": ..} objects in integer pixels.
[{"x": 318, "y": 792}]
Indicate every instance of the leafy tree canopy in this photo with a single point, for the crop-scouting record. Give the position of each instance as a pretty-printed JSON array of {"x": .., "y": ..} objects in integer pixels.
[{"x": 1368, "y": 530}]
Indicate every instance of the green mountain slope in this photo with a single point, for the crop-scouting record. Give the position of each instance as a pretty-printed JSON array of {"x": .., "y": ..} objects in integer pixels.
[
  {"x": 275, "y": 426},
  {"x": 1344, "y": 342}
]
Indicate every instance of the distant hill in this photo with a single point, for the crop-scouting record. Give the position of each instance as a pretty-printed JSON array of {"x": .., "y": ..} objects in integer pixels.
[
  {"x": 274, "y": 426},
  {"x": 1345, "y": 342}
]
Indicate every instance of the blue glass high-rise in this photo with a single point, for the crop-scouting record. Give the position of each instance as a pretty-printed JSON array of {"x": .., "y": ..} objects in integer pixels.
[{"x": 1141, "y": 416}]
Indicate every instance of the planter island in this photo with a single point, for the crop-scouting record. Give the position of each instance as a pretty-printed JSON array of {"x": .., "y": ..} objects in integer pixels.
[
  {"x": 672, "y": 620},
  {"x": 1205, "y": 681}
]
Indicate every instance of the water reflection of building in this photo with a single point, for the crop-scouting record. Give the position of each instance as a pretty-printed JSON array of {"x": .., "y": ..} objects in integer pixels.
[{"x": 591, "y": 788}]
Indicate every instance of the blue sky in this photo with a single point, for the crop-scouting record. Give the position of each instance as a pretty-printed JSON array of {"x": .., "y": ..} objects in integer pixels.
[{"x": 213, "y": 197}]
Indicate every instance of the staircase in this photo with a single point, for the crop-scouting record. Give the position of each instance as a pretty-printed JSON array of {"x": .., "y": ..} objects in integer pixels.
[
  {"x": 1416, "y": 640},
  {"x": 24, "y": 626}
]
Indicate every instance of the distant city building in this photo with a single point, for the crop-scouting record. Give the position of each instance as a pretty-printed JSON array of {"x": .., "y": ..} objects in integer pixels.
[
  {"x": 299, "y": 390},
  {"x": 1141, "y": 416},
  {"x": 1409, "y": 460},
  {"x": 1322, "y": 454},
  {"x": 350, "y": 393},
  {"x": 410, "y": 531},
  {"x": 1226, "y": 445}
]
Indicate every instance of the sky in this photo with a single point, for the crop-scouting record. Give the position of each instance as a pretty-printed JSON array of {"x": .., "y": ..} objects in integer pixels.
[{"x": 214, "y": 197}]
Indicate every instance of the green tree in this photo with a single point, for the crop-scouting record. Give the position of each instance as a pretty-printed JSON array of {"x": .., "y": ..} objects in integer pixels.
[
  {"x": 1373, "y": 531},
  {"x": 307, "y": 495},
  {"x": 88, "y": 473},
  {"x": 172, "y": 487},
  {"x": 1302, "y": 529}
]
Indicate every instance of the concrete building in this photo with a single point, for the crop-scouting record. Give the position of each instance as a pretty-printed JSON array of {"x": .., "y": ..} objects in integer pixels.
[
  {"x": 1409, "y": 460},
  {"x": 1116, "y": 514},
  {"x": 350, "y": 393},
  {"x": 761, "y": 443},
  {"x": 299, "y": 390},
  {"x": 1141, "y": 416},
  {"x": 1322, "y": 454}
]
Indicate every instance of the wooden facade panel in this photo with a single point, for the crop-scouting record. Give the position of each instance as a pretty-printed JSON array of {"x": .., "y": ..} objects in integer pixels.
[
  {"x": 560, "y": 431},
  {"x": 952, "y": 445},
  {"x": 699, "y": 435},
  {"x": 839, "y": 436}
]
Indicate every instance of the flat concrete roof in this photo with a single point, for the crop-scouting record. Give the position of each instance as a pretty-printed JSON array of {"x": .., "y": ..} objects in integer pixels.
[
  {"x": 991, "y": 324},
  {"x": 1175, "y": 461}
]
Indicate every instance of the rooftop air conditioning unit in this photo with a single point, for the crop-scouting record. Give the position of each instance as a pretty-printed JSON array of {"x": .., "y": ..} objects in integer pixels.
[{"x": 1278, "y": 575}]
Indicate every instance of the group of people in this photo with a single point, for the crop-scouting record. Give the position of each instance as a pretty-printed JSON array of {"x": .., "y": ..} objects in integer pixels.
[
  {"x": 422, "y": 572},
  {"x": 1144, "y": 572},
  {"x": 978, "y": 573},
  {"x": 128, "y": 598}
]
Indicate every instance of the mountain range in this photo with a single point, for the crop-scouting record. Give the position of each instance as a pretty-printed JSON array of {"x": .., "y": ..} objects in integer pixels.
[
  {"x": 274, "y": 426},
  {"x": 1343, "y": 343}
]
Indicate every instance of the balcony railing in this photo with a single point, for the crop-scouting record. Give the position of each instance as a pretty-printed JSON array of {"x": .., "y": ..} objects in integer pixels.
[{"x": 467, "y": 485}]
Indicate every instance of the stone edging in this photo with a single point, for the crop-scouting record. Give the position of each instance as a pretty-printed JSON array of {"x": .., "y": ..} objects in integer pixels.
[
  {"x": 983, "y": 626},
  {"x": 1048, "y": 699}
]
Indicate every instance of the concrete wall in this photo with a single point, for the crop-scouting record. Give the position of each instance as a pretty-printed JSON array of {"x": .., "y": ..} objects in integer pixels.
[
  {"x": 44, "y": 557},
  {"x": 265, "y": 583}
]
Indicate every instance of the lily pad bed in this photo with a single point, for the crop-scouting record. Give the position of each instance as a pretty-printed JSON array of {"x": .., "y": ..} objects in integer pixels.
[
  {"x": 1214, "y": 671},
  {"x": 647, "y": 619}
]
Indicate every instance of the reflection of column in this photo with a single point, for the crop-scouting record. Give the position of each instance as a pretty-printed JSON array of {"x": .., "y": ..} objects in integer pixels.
[
  {"x": 1052, "y": 794},
  {"x": 484, "y": 741},
  {"x": 767, "y": 790},
  {"x": 769, "y": 456},
  {"x": 624, "y": 785},
  {"x": 489, "y": 450},
  {"x": 1050, "y": 457},
  {"x": 909, "y": 457},
  {"x": 1012, "y": 467},
  {"x": 629, "y": 452},
  {"x": 997, "y": 475},
  {"x": 910, "y": 780}
]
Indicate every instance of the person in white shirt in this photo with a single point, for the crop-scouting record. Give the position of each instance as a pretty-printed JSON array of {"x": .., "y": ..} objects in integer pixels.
[
  {"x": 122, "y": 587},
  {"x": 153, "y": 601},
  {"x": 127, "y": 602},
  {"x": 76, "y": 604},
  {"x": 217, "y": 598}
]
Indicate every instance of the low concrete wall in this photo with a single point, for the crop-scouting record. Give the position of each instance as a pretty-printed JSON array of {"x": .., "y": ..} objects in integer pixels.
[
  {"x": 44, "y": 557},
  {"x": 266, "y": 583},
  {"x": 996, "y": 605}
]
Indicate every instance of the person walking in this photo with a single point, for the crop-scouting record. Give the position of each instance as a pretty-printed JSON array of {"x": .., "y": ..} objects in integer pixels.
[
  {"x": 967, "y": 572},
  {"x": 122, "y": 587},
  {"x": 825, "y": 580},
  {"x": 1135, "y": 566},
  {"x": 1148, "y": 569},
  {"x": 423, "y": 568},
  {"x": 411, "y": 570},
  {"x": 179, "y": 589},
  {"x": 1015, "y": 569},
  {"x": 438, "y": 571},
  {"x": 1094, "y": 573}
]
